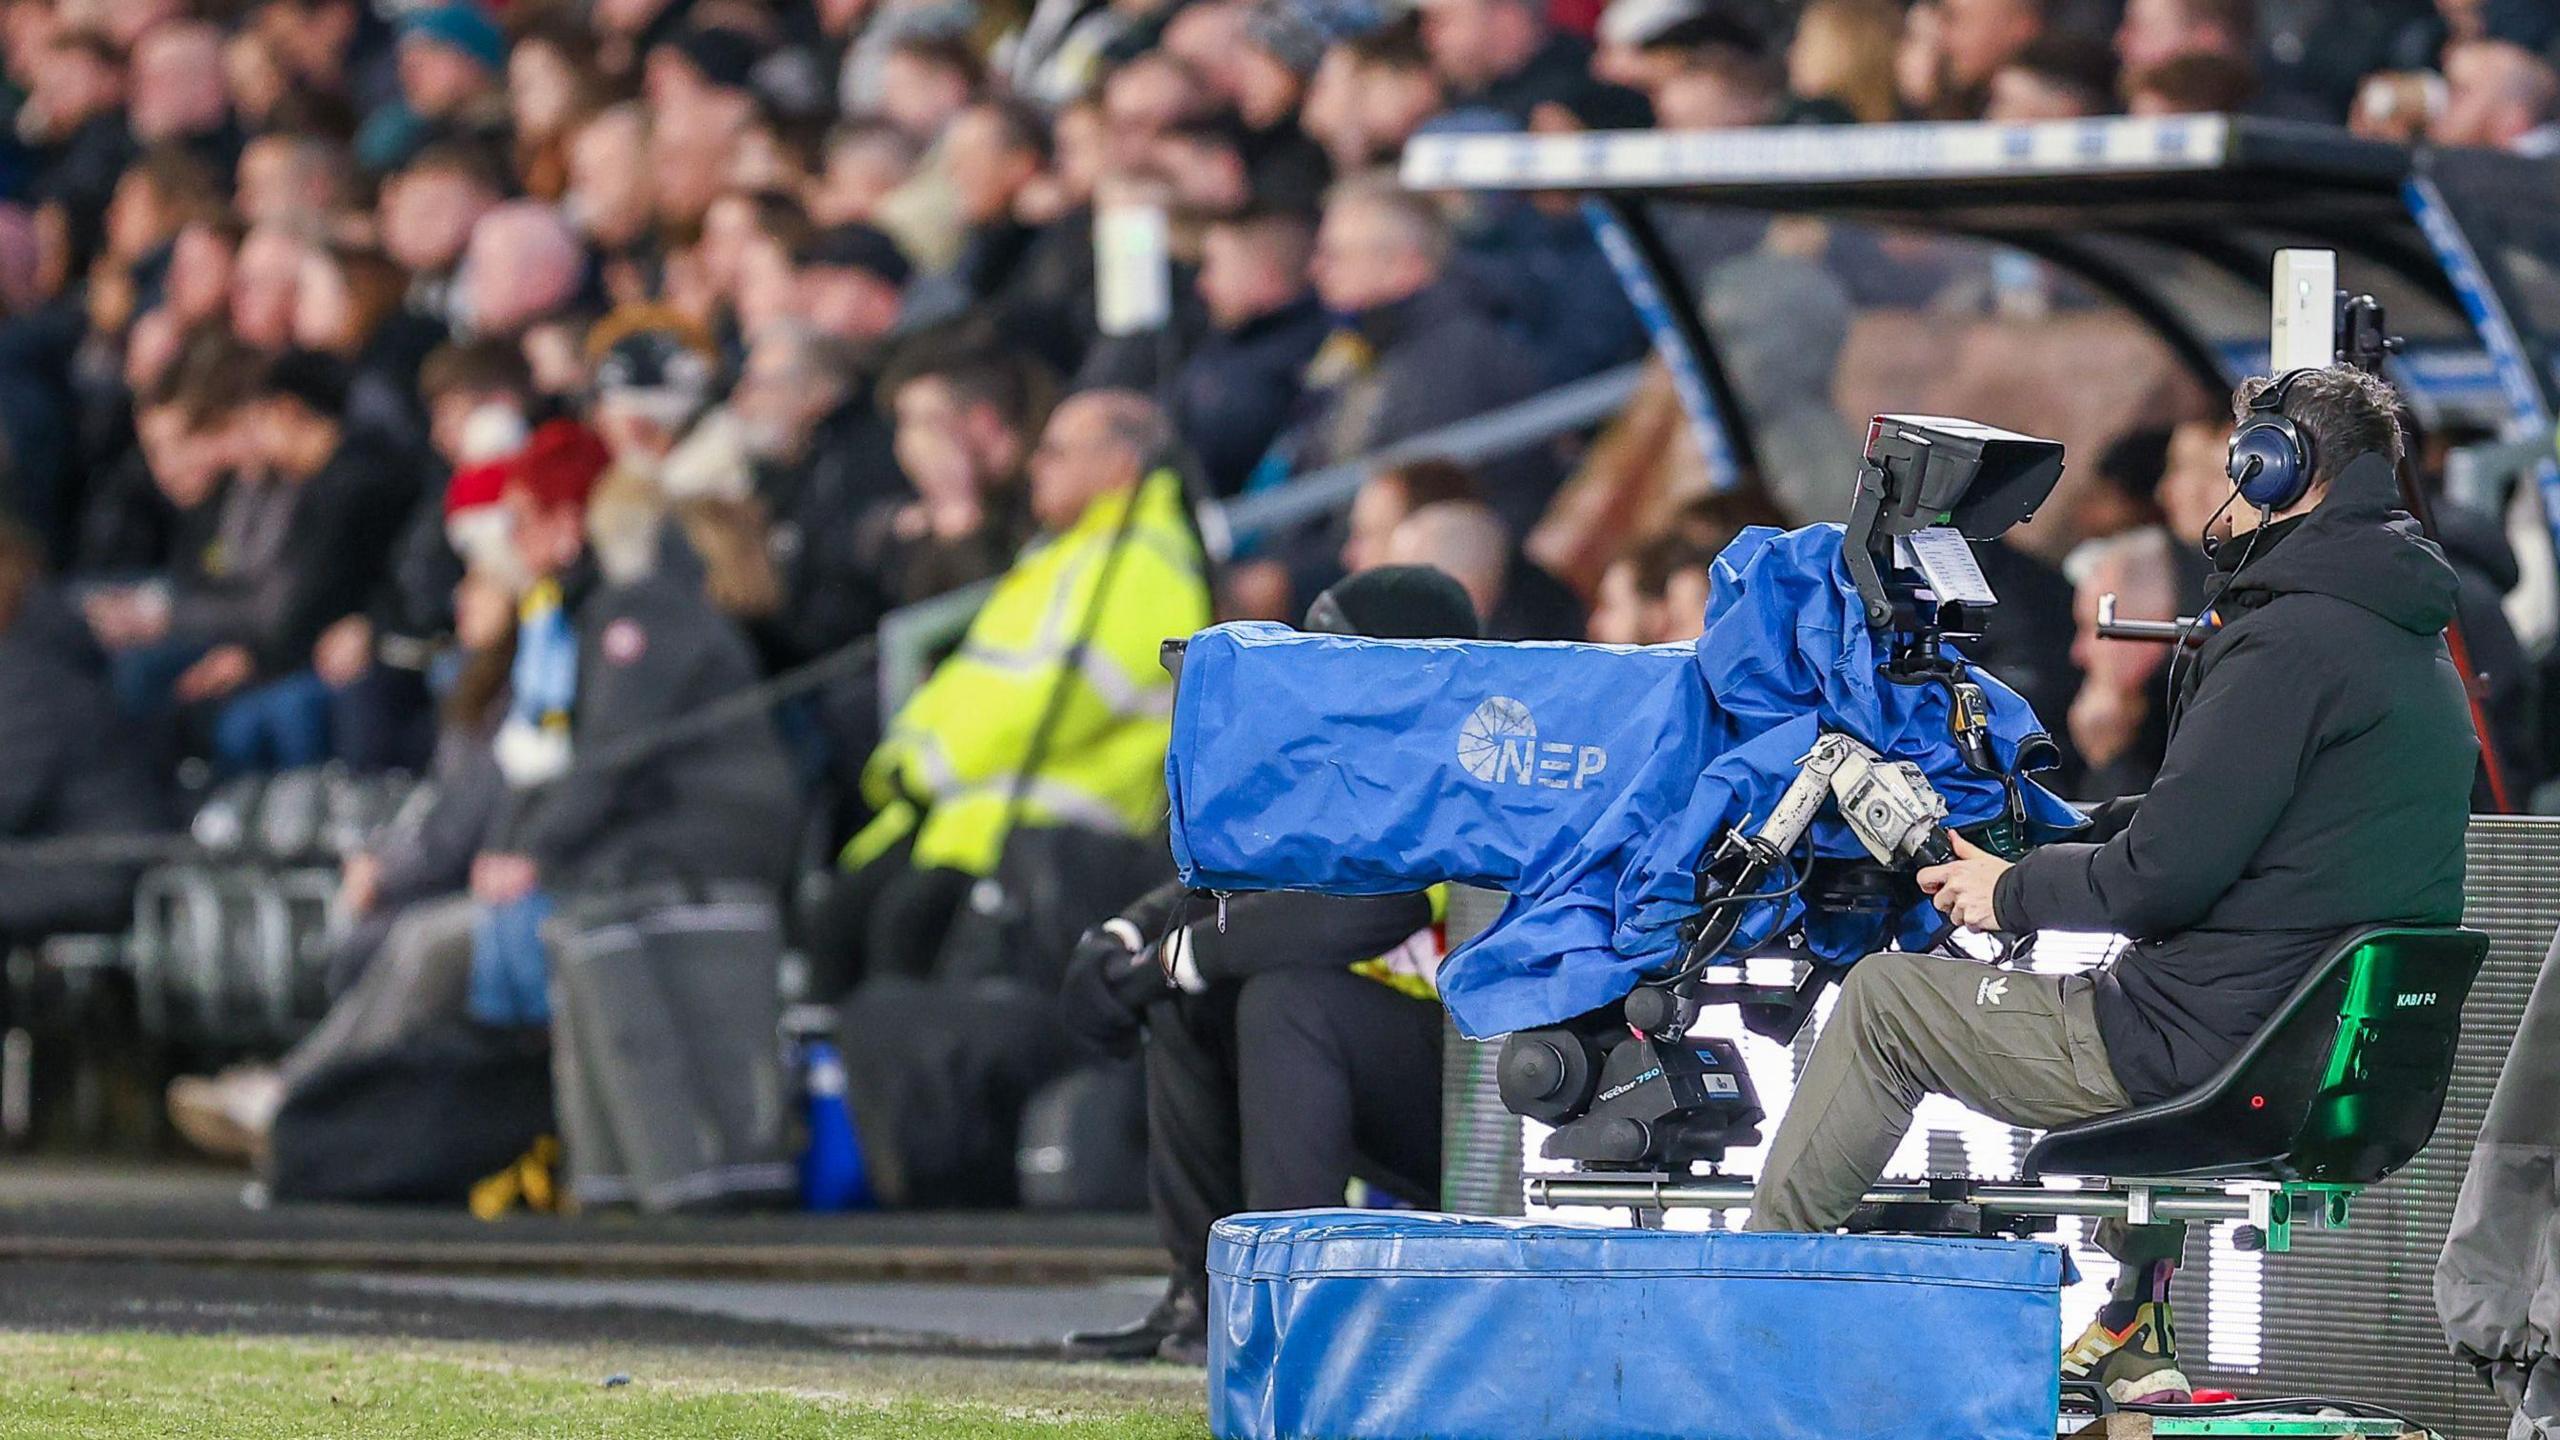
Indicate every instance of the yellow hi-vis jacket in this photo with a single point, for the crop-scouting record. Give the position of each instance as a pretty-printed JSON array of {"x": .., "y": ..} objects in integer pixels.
[{"x": 945, "y": 771}]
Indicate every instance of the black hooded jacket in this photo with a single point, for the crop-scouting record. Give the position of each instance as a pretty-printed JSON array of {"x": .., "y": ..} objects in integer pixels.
[{"x": 2317, "y": 781}]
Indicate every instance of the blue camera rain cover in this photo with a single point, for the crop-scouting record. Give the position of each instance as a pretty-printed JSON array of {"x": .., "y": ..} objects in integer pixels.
[{"x": 1586, "y": 781}]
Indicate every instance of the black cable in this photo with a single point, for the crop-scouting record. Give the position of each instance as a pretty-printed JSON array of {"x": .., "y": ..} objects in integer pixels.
[
  {"x": 2358, "y": 1409},
  {"x": 2186, "y": 633},
  {"x": 1803, "y": 871},
  {"x": 1690, "y": 968}
]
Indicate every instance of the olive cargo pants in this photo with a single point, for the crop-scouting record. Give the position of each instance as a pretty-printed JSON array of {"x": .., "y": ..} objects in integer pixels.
[{"x": 2019, "y": 1047}]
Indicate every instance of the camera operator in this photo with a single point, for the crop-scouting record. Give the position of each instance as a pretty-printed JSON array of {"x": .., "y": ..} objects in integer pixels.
[
  {"x": 2316, "y": 781},
  {"x": 1290, "y": 1044}
]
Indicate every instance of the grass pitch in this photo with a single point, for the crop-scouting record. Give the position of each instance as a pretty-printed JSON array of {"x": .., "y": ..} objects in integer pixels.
[{"x": 115, "y": 1386}]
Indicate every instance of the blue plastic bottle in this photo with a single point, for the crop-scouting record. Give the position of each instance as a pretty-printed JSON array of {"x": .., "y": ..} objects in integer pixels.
[{"x": 832, "y": 1173}]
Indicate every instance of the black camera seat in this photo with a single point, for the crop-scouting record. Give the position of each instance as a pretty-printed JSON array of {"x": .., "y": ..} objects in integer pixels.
[{"x": 2340, "y": 1088}]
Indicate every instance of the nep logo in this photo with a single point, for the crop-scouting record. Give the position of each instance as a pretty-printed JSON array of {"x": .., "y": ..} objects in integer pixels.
[{"x": 1499, "y": 745}]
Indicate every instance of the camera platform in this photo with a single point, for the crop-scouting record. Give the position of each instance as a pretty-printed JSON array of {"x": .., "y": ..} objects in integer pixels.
[{"x": 2126, "y": 1425}]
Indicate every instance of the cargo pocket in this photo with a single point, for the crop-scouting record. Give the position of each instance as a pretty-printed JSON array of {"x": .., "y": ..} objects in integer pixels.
[{"x": 2089, "y": 1048}]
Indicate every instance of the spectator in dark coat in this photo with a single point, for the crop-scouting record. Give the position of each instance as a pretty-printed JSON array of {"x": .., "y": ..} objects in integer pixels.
[
  {"x": 964, "y": 422},
  {"x": 647, "y": 650},
  {"x": 848, "y": 281},
  {"x": 993, "y": 151},
  {"x": 1036, "y": 280},
  {"x": 73, "y": 769},
  {"x": 1502, "y": 55},
  {"x": 1369, "y": 95},
  {"x": 75, "y": 115},
  {"x": 303, "y": 549},
  {"x": 478, "y": 398},
  {"x": 1234, "y": 393},
  {"x": 335, "y": 49},
  {"x": 425, "y": 215},
  {"x": 348, "y": 305},
  {"x": 608, "y": 174},
  {"x": 823, "y": 457},
  {"x": 178, "y": 96},
  {"x": 452, "y": 70},
  {"x": 1415, "y": 355},
  {"x": 1283, "y": 45},
  {"x": 149, "y": 521}
]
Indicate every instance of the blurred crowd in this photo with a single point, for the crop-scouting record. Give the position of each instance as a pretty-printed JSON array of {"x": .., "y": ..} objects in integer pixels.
[
  {"x": 815, "y": 273},
  {"x": 472, "y": 389}
]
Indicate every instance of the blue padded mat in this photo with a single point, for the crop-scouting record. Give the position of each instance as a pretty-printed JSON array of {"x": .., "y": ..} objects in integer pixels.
[{"x": 1333, "y": 1324}]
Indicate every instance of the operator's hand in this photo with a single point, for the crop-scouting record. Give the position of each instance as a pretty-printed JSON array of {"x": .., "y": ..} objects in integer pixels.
[
  {"x": 1962, "y": 888},
  {"x": 1107, "y": 989}
]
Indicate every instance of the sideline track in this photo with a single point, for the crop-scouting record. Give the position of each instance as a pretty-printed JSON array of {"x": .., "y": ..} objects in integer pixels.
[{"x": 92, "y": 1213}]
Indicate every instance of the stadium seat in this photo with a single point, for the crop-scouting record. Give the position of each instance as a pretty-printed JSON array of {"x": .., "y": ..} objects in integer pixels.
[
  {"x": 1084, "y": 1141},
  {"x": 62, "y": 993},
  {"x": 232, "y": 950}
]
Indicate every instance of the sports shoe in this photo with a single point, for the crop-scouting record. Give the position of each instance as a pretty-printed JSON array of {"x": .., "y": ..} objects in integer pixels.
[
  {"x": 2137, "y": 1364},
  {"x": 1177, "y": 1317},
  {"x": 230, "y": 1115}
]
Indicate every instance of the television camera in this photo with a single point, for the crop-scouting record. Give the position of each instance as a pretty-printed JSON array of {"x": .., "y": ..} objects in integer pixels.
[{"x": 1625, "y": 1086}]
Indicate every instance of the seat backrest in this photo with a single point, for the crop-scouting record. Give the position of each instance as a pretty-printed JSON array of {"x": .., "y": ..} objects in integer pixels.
[
  {"x": 2345, "y": 1084},
  {"x": 2340, "y": 1087},
  {"x": 2390, "y": 1055}
]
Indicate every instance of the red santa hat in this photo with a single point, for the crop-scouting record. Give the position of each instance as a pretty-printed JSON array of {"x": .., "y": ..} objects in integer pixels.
[{"x": 559, "y": 465}]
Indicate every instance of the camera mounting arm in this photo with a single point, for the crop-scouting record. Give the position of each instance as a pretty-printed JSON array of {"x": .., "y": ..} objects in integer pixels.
[{"x": 1865, "y": 543}]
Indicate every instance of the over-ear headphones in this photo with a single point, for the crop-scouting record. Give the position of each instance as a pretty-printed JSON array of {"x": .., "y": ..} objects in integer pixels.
[{"x": 2271, "y": 460}]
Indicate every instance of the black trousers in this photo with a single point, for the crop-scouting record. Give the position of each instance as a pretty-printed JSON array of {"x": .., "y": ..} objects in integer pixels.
[
  {"x": 888, "y": 918},
  {"x": 1275, "y": 1092}
]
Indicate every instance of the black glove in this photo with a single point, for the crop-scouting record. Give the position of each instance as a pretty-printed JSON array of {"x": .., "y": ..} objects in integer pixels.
[{"x": 1107, "y": 990}]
